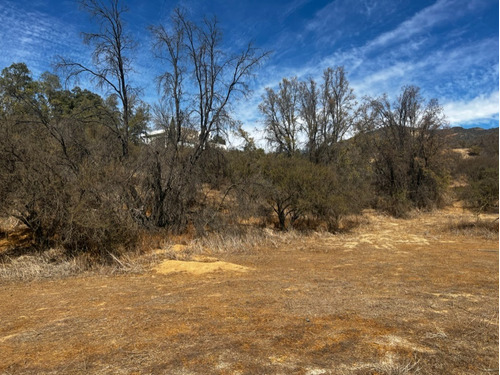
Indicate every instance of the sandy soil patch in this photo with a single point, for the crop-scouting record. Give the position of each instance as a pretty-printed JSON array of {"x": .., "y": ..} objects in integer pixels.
[{"x": 198, "y": 266}]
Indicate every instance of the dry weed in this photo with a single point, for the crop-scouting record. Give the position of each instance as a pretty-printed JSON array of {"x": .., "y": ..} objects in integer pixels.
[
  {"x": 389, "y": 366},
  {"x": 49, "y": 264},
  {"x": 56, "y": 264},
  {"x": 244, "y": 243},
  {"x": 397, "y": 368},
  {"x": 7, "y": 224},
  {"x": 474, "y": 227}
]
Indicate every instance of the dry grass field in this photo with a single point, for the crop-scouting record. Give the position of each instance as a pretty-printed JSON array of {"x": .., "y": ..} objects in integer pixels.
[{"x": 393, "y": 296}]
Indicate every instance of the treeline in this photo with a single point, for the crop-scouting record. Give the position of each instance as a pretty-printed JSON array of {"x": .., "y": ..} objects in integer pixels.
[{"x": 81, "y": 172}]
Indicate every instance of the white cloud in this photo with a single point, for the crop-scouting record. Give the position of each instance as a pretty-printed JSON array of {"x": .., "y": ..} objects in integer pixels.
[
  {"x": 447, "y": 72},
  {"x": 294, "y": 6},
  {"x": 407, "y": 55},
  {"x": 34, "y": 37},
  {"x": 412, "y": 53},
  {"x": 325, "y": 17},
  {"x": 479, "y": 109},
  {"x": 421, "y": 22},
  {"x": 385, "y": 79}
]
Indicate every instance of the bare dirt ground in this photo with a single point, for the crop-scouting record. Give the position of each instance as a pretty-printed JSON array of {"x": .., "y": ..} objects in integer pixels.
[{"x": 392, "y": 297}]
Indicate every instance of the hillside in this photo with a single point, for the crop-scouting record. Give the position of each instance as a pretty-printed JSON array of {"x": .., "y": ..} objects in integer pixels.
[
  {"x": 455, "y": 138},
  {"x": 458, "y": 137}
]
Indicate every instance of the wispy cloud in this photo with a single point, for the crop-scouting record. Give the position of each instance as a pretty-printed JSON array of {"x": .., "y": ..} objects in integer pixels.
[
  {"x": 32, "y": 36},
  {"x": 446, "y": 69},
  {"x": 419, "y": 23},
  {"x": 36, "y": 38},
  {"x": 444, "y": 73},
  {"x": 411, "y": 53},
  {"x": 481, "y": 109},
  {"x": 294, "y": 6},
  {"x": 426, "y": 19},
  {"x": 444, "y": 48}
]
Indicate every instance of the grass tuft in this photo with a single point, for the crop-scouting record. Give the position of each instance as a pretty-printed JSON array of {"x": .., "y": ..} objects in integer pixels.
[
  {"x": 41, "y": 265},
  {"x": 474, "y": 227}
]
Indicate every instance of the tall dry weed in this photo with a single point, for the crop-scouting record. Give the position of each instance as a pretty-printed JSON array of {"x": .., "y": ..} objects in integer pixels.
[{"x": 474, "y": 227}]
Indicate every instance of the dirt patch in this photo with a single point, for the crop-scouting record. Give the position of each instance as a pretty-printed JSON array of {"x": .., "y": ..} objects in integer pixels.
[{"x": 198, "y": 266}]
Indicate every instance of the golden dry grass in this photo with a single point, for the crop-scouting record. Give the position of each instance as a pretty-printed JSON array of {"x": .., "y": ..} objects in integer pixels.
[{"x": 391, "y": 297}]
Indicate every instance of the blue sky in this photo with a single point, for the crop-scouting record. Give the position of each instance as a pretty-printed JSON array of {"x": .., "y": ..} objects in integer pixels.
[{"x": 447, "y": 47}]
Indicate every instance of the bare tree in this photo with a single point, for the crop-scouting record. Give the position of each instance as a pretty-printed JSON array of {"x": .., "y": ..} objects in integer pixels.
[
  {"x": 169, "y": 47},
  {"x": 200, "y": 83},
  {"x": 338, "y": 103},
  {"x": 281, "y": 115},
  {"x": 309, "y": 111},
  {"x": 111, "y": 63},
  {"x": 202, "y": 79},
  {"x": 408, "y": 146},
  {"x": 326, "y": 114}
]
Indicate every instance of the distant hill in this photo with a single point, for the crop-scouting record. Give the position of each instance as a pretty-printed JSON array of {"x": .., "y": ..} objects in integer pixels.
[{"x": 457, "y": 137}]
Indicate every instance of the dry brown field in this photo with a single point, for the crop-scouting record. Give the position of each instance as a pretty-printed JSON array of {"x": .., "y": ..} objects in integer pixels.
[{"x": 392, "y": 296}]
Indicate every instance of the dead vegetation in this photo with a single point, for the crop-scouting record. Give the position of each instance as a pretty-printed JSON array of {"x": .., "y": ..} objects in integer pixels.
[
  {"x": 19, "y": 262},
  {"x": 391, "y": 296},
  {"x": 476, "y": 227}
]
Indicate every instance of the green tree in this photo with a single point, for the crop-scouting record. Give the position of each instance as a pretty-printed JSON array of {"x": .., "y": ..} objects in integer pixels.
[
  {"x": 296, "y": 189},
  {"x": 481, "y": 192}
]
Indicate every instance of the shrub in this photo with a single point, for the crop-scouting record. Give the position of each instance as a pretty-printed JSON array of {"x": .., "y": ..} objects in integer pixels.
[
  {"x": 60, "y": 169},
  {"x": 296, "y": 189},
  {"x": 481, "y": 194},
  {"x": 481, "y": 176}
]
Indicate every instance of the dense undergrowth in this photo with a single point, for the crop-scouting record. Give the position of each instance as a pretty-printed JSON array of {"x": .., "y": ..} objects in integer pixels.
[{"x": 84, "y": 174}]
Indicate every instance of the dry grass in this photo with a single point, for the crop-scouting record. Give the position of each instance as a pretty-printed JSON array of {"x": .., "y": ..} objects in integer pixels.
[
  {"x": 475, "y": 227},
  {"x": 391, "y": 296},
  {"x": 56, "y": 264},
  {"x": 388, "y": 366},
  {"x": 244, "y": 243},
  {"x": 18, "y": 262},
  {"x": 24, "y": 264},
  {"x": 205, "y": 249},
  {"x": 404, "y": 368},
  {"x": 38, "y": 266}
]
